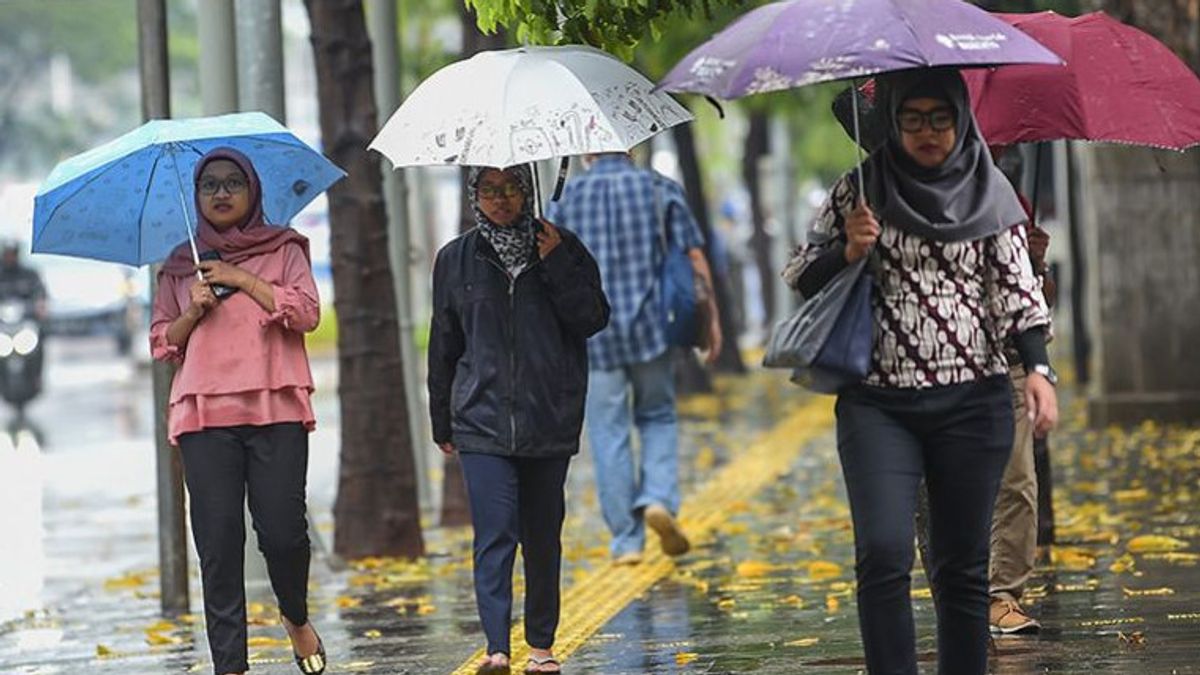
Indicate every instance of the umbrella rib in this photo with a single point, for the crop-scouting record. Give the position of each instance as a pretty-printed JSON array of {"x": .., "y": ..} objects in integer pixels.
[{"x": 142, "y": 213}]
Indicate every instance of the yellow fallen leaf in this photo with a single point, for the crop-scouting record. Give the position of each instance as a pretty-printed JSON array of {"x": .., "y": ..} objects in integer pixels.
[
  {"x": 1074, "y": 559},
  {"x": 1148, "y": 592},
  {"x": 263, "y": 642},
  {"x": 727, "y": 604},
  {"x": 754, "y": 568},
  {"x": 347, "y": 602},
  {"x": 1131, "y": 496},
  {"x": 1175, "y": 558},
  {"x": 822, "y": 570},
  {"x": 802, "y": 642},
  {"x": 126, "y": 581},
  {"x": 831, "y": 603},
  {"x": 103, "y": 651},
  {"x": 922, "y": 593},
  {"x": 373, "y": 634},
  {"x": 157, "y": 639},
  {"x": 793, "y": 601},
  {"x": 1155, "y": 543},
  {"x": 1123, "y": 564},
  {"x": 684, "y": 658},
  {"x": 425, "y": 609}
]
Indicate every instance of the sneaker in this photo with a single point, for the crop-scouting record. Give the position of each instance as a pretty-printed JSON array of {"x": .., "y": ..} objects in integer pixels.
[
  {"x": 674, "y": 542},
  {"x": 1007, "y": 618},
  {"x": 631, "y": 558}
]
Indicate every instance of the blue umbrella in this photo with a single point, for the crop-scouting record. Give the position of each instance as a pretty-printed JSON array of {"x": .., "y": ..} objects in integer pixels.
[{"x": 132, "y": 200}]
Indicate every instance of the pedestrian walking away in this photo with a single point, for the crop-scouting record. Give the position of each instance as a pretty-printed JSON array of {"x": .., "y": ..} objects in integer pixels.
[
  {"x": 626, "y": 216},
  {"x": 953, "y": 283},
  {"x": 240, "y": 408},
  {"x": 514, "y": 302}
]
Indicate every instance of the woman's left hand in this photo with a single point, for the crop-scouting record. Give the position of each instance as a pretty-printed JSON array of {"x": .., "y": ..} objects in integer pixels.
[
  {"x": 1041, "y": 402},
  {"x": 548, "y": 238},
  {"x": 223, "y": 273}
]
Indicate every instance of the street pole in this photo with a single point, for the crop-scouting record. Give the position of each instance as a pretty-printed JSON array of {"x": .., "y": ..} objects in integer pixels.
[
  {"x": 172, "y": 532},
  {"x": 260, "y": 57},
  {"x": 382, "y": 21},
  {"x": 218, "y": 56}
]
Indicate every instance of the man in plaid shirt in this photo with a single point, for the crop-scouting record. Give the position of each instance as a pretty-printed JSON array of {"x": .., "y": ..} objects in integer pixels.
[{"x": 620, "y": 213}]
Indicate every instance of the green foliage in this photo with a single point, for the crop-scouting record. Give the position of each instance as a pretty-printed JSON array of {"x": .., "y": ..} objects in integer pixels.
[{"x": 617, "y": 26}]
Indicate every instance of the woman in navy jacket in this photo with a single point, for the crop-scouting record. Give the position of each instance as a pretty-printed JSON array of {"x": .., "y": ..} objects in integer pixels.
[{"x": 515, "y": 300}]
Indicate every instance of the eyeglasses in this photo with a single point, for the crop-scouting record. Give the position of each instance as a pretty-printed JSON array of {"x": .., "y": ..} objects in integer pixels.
[
  {"x": 211, "y": 186},
  {"x": 506, "y": 191},
  {"x": 939, "y": 119}
]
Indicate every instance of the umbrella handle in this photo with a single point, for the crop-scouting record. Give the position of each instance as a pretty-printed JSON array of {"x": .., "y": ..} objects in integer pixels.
[
  {"x": 537, "y": 191},
  {"x": 563, "y": 168}
]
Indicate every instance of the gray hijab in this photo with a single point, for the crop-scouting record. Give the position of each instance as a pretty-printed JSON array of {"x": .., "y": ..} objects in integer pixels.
[
  {"x": 966, "y": 198},
  {"x": 516, "y": 242}
]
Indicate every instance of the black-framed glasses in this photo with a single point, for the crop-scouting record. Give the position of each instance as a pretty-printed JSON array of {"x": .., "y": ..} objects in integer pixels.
[
  {"x": 938, "y": 119},
  {"x": 211, "y": 186},
  {"x": 506, "y": 191}
]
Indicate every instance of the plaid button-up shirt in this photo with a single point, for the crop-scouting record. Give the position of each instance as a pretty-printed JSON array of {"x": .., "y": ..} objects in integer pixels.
[{"x": 617, "y": 210}]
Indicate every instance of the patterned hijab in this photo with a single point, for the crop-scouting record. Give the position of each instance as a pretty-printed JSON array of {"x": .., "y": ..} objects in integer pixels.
[
  {"x": 966, "y": 198},
  {"x": 516, "y": 242}
]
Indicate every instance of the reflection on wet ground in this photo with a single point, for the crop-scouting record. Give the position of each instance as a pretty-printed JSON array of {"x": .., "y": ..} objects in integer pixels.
[{"x": 769, "y": 590}]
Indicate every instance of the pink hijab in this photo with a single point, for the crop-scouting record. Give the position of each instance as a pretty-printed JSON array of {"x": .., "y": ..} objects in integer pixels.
[{"x": 252, "y": 238}]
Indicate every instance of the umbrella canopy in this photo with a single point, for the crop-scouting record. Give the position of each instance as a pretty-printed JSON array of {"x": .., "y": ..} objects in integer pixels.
[
  {"x": 132, "y": 200},
  {"x": 1119, "y": 85},
  {"x": 502, "y": 108},
  {"x": 800, "y": 42}
]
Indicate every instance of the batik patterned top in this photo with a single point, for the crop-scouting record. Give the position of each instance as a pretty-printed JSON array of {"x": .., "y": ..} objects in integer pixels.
[{"x": 942, "y": 311}]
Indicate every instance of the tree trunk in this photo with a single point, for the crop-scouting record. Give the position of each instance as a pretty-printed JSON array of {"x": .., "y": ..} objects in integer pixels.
[
  {"x": 376, "y": 511},
  {"x": 757, "y": 145},
  {"x": 455, "y": 508},
  {"x": 730, "y": 358}
]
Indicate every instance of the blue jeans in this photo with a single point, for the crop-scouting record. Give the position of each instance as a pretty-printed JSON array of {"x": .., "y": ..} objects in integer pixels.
[{"x": 625, "y": 489}]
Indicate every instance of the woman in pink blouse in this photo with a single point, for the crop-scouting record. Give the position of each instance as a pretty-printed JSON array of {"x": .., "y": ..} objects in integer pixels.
[
  {"x": 953, "y": 285},
  {"x": 240, "y": 408}
]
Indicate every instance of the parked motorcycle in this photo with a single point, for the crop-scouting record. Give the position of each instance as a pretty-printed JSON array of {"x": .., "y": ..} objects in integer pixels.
[{"x": 21, "y": 354}]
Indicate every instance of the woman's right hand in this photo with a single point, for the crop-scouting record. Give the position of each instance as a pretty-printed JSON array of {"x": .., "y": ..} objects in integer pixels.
[
  {"x": 862, "y": 231},
  {"x": 446, "y": 448},
  {"x": 203, "y": 299}
]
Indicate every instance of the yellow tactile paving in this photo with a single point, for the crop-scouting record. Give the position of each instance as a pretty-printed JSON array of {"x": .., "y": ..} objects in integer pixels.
[{"x": 589, "y": 603}]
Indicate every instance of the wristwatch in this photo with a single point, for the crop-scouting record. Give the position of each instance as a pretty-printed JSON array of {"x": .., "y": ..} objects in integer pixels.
[{"x": 1047, "y": 372}]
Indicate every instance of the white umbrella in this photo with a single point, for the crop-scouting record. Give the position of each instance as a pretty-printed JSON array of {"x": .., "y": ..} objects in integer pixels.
[{"x": 517, "y": 106}]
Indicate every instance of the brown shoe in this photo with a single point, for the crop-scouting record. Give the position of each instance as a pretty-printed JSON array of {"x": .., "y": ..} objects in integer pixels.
[
  {"x": 1007, "y": 618},
  {"x": 674, "y": 542}
]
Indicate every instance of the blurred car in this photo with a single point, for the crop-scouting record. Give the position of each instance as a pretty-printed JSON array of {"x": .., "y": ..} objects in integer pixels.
[{"x": 89, "y": 298}]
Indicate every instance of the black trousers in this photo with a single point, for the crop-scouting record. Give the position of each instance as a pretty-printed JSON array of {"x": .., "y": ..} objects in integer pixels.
[
  {"x": 516, "y": 500},
  {"x": 222, "y": 467},
  {"x": 958, "y": 438}
]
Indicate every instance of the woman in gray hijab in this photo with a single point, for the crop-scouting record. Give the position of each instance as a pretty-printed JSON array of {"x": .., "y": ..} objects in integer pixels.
[{"x": 953, "y": 283}]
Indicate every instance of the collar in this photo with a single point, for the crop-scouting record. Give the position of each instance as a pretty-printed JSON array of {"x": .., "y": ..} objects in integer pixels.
[{"x": 611, "y": 164}]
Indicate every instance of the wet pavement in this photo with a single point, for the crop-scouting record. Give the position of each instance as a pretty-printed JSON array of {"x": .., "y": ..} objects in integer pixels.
[{"x": 768, "y": 588}]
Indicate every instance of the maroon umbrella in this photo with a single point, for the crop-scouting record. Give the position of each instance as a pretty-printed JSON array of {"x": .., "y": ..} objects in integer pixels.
[{"x": 1120, "y": 85}]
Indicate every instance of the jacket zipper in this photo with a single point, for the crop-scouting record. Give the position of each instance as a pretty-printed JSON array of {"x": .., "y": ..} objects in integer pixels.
[{"x": 512, "y": 352}]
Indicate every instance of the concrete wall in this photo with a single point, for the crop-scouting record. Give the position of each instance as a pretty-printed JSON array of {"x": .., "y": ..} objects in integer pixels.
[{"x": 1141, "y": 217}]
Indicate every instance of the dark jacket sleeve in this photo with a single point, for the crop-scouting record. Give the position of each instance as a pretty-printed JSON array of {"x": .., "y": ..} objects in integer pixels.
[
  {"x": 821, "y": 270},
  {"x": 573, "y": 279},
  {"x": 446, "y": 346}
]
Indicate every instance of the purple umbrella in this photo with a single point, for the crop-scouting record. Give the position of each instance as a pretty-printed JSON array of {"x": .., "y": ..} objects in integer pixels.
[{"x": 801, "y": 42}]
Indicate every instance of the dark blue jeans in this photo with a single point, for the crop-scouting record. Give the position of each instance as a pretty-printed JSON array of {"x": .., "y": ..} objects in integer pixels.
[
  {"x": 958, "y": 438},
  {"x": 516, "y": 500}
]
